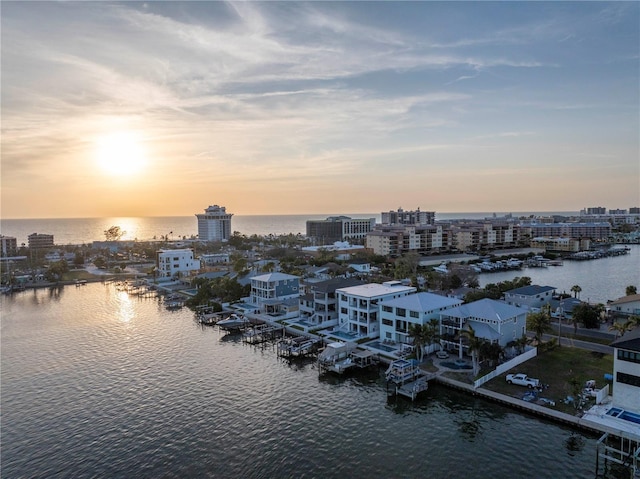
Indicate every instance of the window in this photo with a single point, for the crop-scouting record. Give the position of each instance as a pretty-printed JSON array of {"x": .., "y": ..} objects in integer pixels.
[
  {"x": 629, "y": 379},
  {"x": 628, "y": 356}
]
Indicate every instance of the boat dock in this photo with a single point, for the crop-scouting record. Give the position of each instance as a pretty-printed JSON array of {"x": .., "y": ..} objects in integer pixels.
[
  {"x": 262, "y": 333},
  {"x": 406, "y": 378},
  {"x": 297, "y": 346}
]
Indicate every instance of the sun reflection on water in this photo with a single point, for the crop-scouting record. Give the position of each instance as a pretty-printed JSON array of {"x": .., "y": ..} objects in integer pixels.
[{"x": 125, "y": 310}]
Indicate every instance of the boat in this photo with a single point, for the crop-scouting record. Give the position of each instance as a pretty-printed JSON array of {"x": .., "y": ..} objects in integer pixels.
[{"x": 234, "y": 322}]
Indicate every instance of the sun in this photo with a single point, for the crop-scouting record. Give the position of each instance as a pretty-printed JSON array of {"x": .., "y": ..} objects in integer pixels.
[{"x": 121, "y": 153}]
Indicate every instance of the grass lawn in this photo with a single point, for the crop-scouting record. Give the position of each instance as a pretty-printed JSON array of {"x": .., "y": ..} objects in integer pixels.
[{"x": 556, "y": 368}]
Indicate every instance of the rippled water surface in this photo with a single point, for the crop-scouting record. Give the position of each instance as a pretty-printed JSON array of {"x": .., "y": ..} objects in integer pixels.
[{"x": 99, "y": 384}]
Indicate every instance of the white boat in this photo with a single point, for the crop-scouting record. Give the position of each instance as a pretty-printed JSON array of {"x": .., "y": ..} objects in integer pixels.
[{"x": 233, "y": 323}]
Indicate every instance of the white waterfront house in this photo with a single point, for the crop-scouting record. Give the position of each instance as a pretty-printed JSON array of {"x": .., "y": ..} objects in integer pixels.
[
  {"x": 214, "y": 224},
  {"x": 494, "y": 321},
  {"x": 397, "y": 315},
  {"x": 359, "y": 306},
  {"x": 626, "y": 306},
  {"x": 626, "y": 371},
  {"x": 175, "y": 262}
]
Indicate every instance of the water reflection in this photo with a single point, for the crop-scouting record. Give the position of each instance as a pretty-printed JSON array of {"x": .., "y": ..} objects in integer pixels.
[{"x": 125, "y": 311}]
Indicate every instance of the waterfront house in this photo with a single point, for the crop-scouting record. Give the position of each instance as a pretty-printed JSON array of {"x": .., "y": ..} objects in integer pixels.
[
  {"x": 359, "y": 306},
  {"x": 397, "y": 315},
  {"x": 531, "y": 297},
  {"x": 266, "y": 288},
  {"x": 626, "y": 371},
  {"x": 175, "y": 262},
  {"x": 319, "y": 306},
  {"x": 491, "y": 320},
  {"x": 626, "y": 306}
]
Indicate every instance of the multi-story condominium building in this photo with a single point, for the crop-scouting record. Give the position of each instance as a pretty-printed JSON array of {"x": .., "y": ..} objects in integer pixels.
[
  {"x": 594, "y": 231},
  {"x": 319, "y": 306},
  {"x": 595, "y": 210},
  {"x": 397, "y": 315},
  {"x": 176, "y": 262},
  {"x": 214, "y": 224},
  {"x": 339, "y": 228},
  {"x": 494, "y": 321},
  {"x": 626, "y": 371},
  {"x": 8, "y": 245},
  {"x": 486, "y": 234},
  {"x": 395, "y": 240},
  {"x": 359, "y": 306},
  {"x": 272, "y": 287},
  {"x": 402, "y": 217},
  {"x": 40, "y": 241},
  {"x": 530, "y": 297},
  {"x": 560, "y": 245}
]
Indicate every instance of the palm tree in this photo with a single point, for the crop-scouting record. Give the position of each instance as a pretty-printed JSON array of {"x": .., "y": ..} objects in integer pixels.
[
  {"x": 619, "y": 328},
  {"x": 575, "y": 289},
  {"x": 417, "y": 333},
  {"x": 475, "y": 343},
  {"x": 634, "y": 321},
  {"x": 538, "y": 323}
]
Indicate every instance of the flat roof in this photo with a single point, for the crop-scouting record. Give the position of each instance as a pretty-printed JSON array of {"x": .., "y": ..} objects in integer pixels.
[{"x": 371, "y": 290}]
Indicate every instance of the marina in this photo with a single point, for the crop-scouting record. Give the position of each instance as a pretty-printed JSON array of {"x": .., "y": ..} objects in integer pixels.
[{"x": 185, "y": 409}]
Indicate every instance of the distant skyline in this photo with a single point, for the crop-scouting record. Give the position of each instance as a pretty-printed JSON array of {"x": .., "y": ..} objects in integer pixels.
[{"x": 116, "y": 109}]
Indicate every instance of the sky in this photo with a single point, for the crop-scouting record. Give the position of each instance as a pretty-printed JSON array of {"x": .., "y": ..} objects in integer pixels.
[{"x": 164, "y": 108}]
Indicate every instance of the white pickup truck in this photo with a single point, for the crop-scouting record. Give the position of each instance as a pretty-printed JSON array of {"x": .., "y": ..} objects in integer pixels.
[{"x": 523, "y": 380}]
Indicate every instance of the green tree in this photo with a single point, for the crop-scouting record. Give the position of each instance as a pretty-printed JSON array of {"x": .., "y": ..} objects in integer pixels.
[
  {"x": 114, "y": 233},
  {"x": 619, "y": 328},
  {"x": 631, "y": 290},
  {"x": 474, "y": 344},
  {"x": 417, "y": 334},
  {"x": 575, "y": 289},
  {"x": 539, "y": 323},
  {"x": 587, "y": 315},
  {"x": 634, "y": 321}
]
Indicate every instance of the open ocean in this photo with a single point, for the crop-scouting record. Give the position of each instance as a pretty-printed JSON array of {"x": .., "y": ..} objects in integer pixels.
[{"x": 86, "y": 230}]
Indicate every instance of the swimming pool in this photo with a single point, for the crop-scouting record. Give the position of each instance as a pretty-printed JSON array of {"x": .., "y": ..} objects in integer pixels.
[
  {"x": 625, "y": 415},
  {"x": 381, "y": 346},
  {"x": 344, "y": 335}
]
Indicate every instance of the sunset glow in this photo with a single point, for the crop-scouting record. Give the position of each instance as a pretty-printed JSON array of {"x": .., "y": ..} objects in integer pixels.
[
  {"x": 120, "y": 154},
  {"x": 163, "y": 108}
]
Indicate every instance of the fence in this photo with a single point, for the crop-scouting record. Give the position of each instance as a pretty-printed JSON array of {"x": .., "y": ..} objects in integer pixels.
[{"x": 521, "y": 358}]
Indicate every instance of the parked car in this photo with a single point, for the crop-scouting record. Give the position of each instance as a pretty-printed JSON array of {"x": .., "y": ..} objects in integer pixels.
[
  {"x": 522, "y": 379},
  {"x": 442, "y": 354}
]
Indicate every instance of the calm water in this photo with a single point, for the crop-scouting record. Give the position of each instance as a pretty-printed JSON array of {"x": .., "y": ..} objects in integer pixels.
[
  {"x": 86, "y": 230},
  {"x": 600, "y": 279},
  {"x": 99, "y": 384}
]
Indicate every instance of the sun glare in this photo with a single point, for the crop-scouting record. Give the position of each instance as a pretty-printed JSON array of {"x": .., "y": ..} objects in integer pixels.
[{"x": 121, "y": 153}]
